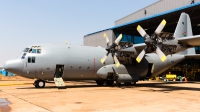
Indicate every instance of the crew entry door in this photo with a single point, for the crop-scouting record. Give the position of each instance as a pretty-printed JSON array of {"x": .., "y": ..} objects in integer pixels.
[
  {"x": 58, "y": 76},
  {"x": 59, "y": 71}
]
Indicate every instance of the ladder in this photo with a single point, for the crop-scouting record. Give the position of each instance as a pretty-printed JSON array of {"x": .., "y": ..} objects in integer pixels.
[{"x": 59, "y": 83}]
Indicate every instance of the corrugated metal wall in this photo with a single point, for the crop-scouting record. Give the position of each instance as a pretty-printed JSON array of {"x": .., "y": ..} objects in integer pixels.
[
  {"x": 158, "y": 7},
  {"x": 97, "y": 39}
]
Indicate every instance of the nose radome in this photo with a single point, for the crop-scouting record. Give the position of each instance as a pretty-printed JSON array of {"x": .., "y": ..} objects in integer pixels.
[{"x": 14, "y": 66}]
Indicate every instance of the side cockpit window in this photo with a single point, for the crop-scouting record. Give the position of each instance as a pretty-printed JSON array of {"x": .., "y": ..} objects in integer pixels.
[
  {"x": 31, "y": 59},
  {"x": 25, "y": 51}
]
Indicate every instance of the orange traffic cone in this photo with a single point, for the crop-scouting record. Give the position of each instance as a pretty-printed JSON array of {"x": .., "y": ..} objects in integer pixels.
[{"x": 185, "y": 80}]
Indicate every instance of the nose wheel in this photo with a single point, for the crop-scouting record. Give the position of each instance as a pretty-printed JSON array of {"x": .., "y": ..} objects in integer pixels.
[{"x": 39, "y": 83}]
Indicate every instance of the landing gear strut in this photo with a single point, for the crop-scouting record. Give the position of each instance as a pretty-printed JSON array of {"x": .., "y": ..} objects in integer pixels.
[{"x": 39, "y": 83}]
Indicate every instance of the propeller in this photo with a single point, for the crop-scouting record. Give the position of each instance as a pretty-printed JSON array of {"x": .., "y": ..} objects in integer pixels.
[
  {"x": 152, "y": 42},
  {"x": 111, "y": 49}
]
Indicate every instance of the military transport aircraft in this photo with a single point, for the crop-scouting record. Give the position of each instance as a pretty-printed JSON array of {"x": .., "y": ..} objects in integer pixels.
[{"x": 48, "y": 62}]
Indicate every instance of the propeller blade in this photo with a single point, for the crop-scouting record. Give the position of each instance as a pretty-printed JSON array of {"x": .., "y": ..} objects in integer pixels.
[
  {"x": 141, "y": 31},
  {"x": 140, "y": 56},
  {"x": 118, "y": 39},
  {"x": 107, "y": 40},
  {"x": 160, "y": 54},
  {"x": 160, "y": 27},
  {"x": 104, "y": 58},
  {"x": 116, "y": 61}
]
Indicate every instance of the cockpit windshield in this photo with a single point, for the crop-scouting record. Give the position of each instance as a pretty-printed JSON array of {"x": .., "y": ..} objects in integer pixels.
[
  {"x": 35, "y": 49},
  {"x": 26, "y": 50}
]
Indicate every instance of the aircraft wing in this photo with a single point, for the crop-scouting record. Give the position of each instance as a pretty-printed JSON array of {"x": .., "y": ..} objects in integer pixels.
[
  {"x": 137, "y": 47},
  {"x": 140, "y": 47},
  {"x": 190, "y": 40},
  {"x": 192, "y": 56}
]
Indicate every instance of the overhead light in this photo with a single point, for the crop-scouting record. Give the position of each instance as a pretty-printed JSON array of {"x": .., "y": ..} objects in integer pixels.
[
  {"x": 145, "y": 29},
  {"x": 198, "y": 24}
]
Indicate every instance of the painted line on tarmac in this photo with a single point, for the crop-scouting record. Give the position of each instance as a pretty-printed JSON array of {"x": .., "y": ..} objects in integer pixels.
[{"x": 15, "y": 84}]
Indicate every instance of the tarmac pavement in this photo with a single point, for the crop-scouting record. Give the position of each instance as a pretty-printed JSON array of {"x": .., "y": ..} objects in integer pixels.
[{"x": 151, "y": 96}]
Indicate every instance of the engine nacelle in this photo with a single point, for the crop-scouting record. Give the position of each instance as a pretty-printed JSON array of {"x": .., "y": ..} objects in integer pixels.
[{"x": 121, "y": 72}]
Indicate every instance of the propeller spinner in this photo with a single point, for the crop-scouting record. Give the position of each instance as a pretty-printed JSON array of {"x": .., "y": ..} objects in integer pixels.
[
  {"x": 152, "y": 42},
  {"x": 111, "y": 49}
]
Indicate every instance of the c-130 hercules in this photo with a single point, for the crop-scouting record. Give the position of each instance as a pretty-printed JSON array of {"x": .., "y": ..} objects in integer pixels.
[{"x": 48, "y": 62}]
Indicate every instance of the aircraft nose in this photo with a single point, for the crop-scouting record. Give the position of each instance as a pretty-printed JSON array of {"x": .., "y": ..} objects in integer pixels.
[{"x": 14, "y": 66}]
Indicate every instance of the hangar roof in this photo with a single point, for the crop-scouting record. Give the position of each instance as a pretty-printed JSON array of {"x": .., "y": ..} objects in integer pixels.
[{"x": 151, "y": 22}]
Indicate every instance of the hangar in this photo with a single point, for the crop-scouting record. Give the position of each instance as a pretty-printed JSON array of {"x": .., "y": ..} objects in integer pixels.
[{"x": 149, "y": 18}]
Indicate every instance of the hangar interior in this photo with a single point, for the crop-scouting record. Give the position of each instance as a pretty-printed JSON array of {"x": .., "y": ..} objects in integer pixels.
[{"x": 149, "y": 18}]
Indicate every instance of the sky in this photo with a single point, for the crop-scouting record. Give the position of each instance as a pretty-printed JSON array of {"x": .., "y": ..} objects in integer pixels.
[{"x": 27, "y": 22}]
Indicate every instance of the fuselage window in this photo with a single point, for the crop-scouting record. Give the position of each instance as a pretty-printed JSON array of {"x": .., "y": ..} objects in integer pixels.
[{"x": 31, "y": 59}]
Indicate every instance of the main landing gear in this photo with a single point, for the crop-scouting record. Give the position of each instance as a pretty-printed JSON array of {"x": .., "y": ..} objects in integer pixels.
[
  {"x": 111, "y": 82},
  {"x": 39, "y": 83}
]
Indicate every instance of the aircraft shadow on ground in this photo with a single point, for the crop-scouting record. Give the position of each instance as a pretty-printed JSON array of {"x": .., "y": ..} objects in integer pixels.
[
  {"x": 69, "y": 86},
  {"x": 162, "y": 86}
]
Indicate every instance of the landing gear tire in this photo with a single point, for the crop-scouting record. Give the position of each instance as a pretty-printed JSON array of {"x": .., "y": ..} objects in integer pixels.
[
  {"x": 127, "y": 84},
  {"x": 100, "y": 82},
  {"x": 39, "y": 84},
  {"x": 109, "y": 82},
  {"x": 133, "y": 83},
  {"x": 119, "y": 84}
]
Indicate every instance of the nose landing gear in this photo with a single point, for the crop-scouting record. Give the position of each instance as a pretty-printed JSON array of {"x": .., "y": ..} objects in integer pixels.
[{"x": 39, "y": 83}]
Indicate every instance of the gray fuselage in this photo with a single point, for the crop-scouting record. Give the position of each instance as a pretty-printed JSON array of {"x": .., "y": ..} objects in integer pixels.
[{"x": 81, "y": 63}]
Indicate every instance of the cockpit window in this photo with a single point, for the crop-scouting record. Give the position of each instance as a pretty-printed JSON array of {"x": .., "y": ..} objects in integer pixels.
[
  {"x": 26, "y": 50},
  {"x": 34, "y": 51},
  {"x": 31, "y": 59},
  {"x": 38, "y": 51},
  {"x": 23, "y": 56}
]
